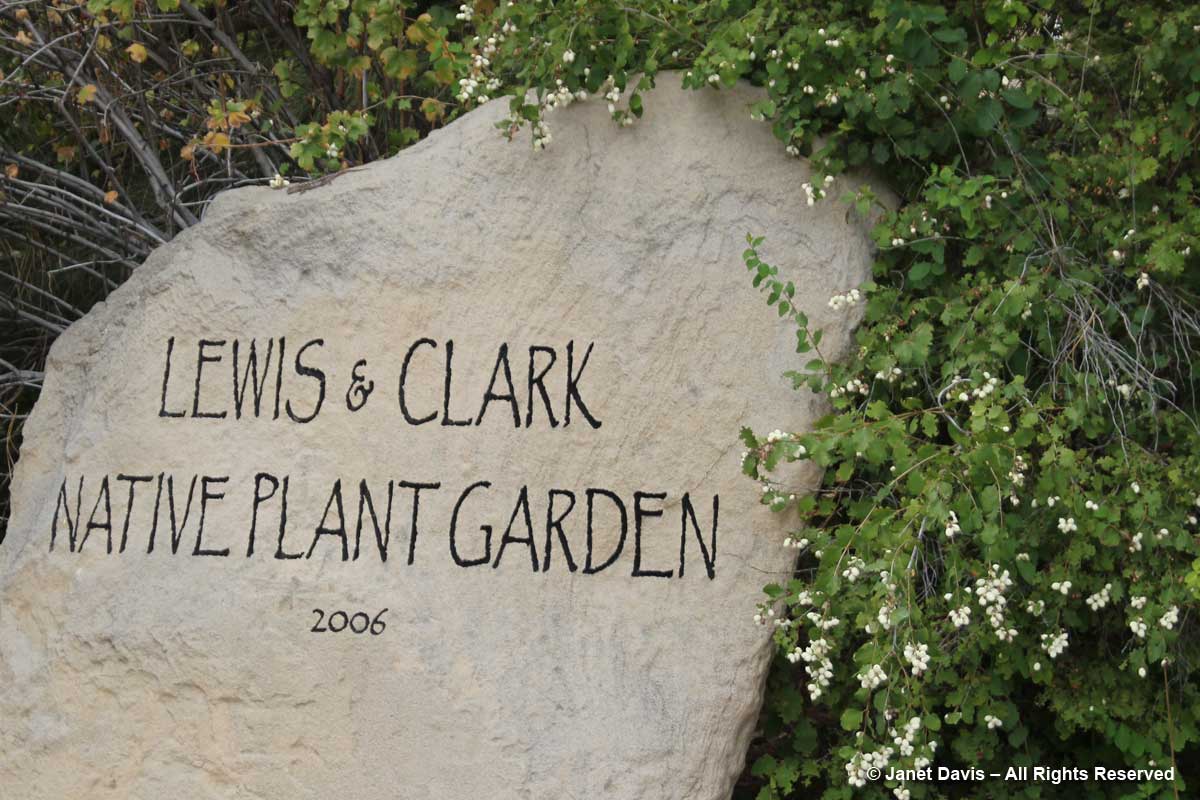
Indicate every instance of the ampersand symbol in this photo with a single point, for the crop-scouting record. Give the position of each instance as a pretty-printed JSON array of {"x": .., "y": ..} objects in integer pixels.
[{"x": 360, "y": 388}]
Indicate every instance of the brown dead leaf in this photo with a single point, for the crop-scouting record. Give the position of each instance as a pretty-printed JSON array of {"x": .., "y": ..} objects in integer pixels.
[{"x": 216, "y": 141}]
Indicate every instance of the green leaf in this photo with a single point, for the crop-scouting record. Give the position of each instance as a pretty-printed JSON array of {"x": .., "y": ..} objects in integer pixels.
[
  {"x": 1017, "y": 98},
  {"x": 852, "y": 719},
  {"x": 1145, "y": 169},
  {"x": 765, "y": 766},
  {"x": 1018, "y": 736},
  {"x": 950, "y": 35},
  {"x": 988, "y": 115},
  {"x": 914, "y": 348},
  {"x": 881, "y": 151}
]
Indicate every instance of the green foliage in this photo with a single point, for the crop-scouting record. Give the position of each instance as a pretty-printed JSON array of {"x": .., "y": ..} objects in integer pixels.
[{"x": 998, "y": 569}]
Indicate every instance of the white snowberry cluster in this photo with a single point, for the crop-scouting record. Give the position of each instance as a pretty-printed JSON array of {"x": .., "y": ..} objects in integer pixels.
[
  {"x": 921, "y": 762},
  {"x": 812, "y": 194},
  {"x": 796, "y": 544},
  {"x": 961, "y": 617},
  {"x": 992, "y": 722},
  {"x": 465, "y": 13},
  {"x": 818, "y": 666},
  {"x": 1100, "y": 599},
  {"x": 1054, "y": 645},
  {"x": 862, "y": 766},
  {"x": 1138, "y": 601},
  {"x": 1135, "y": 544},
  {"x": 466, "y": 89},
  {"x": 873, "y": 678},
  {"x": 854, "y": 570},
  {"x": 1035, "y": 607},
  {"x": 885, "y": 616},
  {"x": 278, "y": 182},
  {"x": 822, "y": 623},
  {"x": 847, "y": 300},
  {"x": 792, "y": 65},
  {"x": 541, "y": 135},
  {"x": 990, "y": 593},
  {"x": 780, "y": 500},
  {"x": 989, "y": 385},
  {"x": 904, "y": 741},
  {"x": 1138, "y": 626},
  {"x": 918, "y": 656},
  {"x": 612, "y": 95},
  {"x": 766, "y": 616},
  {"x": 952, "y": 527},
  {"x": 1067, "y": 524},
  {"x": 561, "y": 97},
  {"x": 1017, "y": 473},
  {"x": 891, "y": 376},
  {"x": 1170, "y": 618},
  {"x": 1062, "y": 587},
  {"x": 853, "y": 385}
]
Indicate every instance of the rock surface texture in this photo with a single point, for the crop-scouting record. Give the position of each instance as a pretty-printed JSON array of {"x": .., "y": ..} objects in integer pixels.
[{"x": 153, "y": 647}]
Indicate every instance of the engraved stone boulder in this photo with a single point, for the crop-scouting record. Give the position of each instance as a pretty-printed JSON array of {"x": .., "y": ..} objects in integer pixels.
[{"x": 424, "y": 483}]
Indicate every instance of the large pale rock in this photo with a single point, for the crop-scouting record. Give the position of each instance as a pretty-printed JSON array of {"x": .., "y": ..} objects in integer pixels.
[{"x": 136, "y": 674}]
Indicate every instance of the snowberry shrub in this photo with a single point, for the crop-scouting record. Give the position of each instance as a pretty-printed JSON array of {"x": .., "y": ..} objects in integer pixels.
[{"x": 999, "y": 567}]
